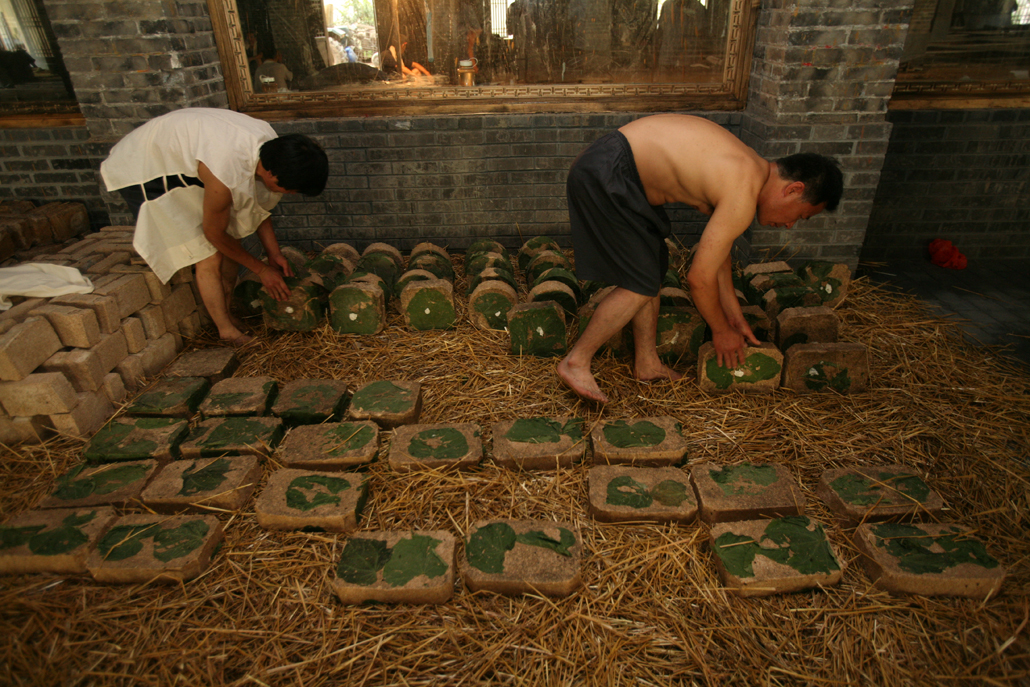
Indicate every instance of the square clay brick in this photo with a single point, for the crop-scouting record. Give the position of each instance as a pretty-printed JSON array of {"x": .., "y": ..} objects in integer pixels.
[
  {"x": 778, "y": 556},
  {"x": 153, "y": 319},
  {"x": 817, "y": 324},
  {"x": 489, "y": 304},
  {"x": 310, "y": 401},
  {"x": 130, "y": 290},
  {"x": 205, "y": 484},
  {"x": 746, "y": 491},
  {"x": 148, "y": 362},
  {"x": 760, "y": 371},
  {"x": 137, "y": 438},
  {"x": 622, "y": 494},
  {"x": 829, "y": 279},
  {"x": 53, "y": 541},
  {"x": 135, "y": 335},
  {"x": 238, "y": 435},
  {"x": 681, "y": 332},
  {"x": 513, "y": 557},
  {"x": 415, "y": 567},
  {"x": 117, "y": 484},
  {"x": 301, "y": 312},
  {"x": 774, "y": 301},
  {"x": 537, "y": 329},
  {"x": 139, "y": 549},
  {"x": 75, "y": 327},
  {"x": 81, "y": 366},
  {"x": 387, "y": 402},
  {"x": 158, "y": 290},
  {"x": 178, "y": 306},
  {"x": 303, "y": 499},
  {"x": 428, "y": 304},
  {"x": 111, "y": 349},
  {"x": 538, "y": 443},
  {"x": 436, "y": 446},
  {"x": 104, "y": 307},
  {"x": 648, "y": 441},
  {"x": 928, "y": 559},
  {"x": 171, "y": 397},
  {"x": 876, "y": 493},
  {"x": 331, "y": 446},
  {"x": 25, "y": 346},
  {"x": 841, "y": 367},
  {"x": 214, "y": 364},
  {"x": 24, "y": 430},
  {"x": 17, "y": 314},
  {"x": 240, "y": 396},
  {"x": 114, "y": 388},
  {"x": 357, "y": 308},
  {"x": 757, "y": 268},
  {"x": 43, "y": 393}
]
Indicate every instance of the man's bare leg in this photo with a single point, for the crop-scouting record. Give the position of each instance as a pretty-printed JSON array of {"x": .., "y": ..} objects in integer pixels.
[
  {"x": 212, "y": 292},
  {"x": 612, "y": 314},
  {"x": 230, "y": 272},
  {"x": 646, "y": 363}
]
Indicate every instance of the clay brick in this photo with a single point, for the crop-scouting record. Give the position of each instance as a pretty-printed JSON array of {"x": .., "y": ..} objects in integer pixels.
[
  {"x": 137, "y": 438},
  {"x": 681, "y": 331},
  {"x": 159, "y": 291},
  {"x": 159, "y": 353},
  {"x": 67, "y": 220},
  {"x": 135, "y": 335},
  {"x": 311, "y": 401},
  {"x": 413, "y": 567},
  {"x": 240, "y": 396},
  {"x": 89, "y": 415},
  {"x": 537, "y": 329},
  {"x": 829, "y": 279},
  {"x": 438, "y": 265},
  {"x": 331, "y": 446},
  {"x": 514, "y": 557},
  {"x": 42, "y": 393},
  {"x": 760, "y": 371},
  {"x": 758, "y": 268},
  {"x": 544, "y": 261},
  {"x": 428, "y": 304},
  {"x": 219, "y": 484},
  {"x": 841, "y": 367},
  {"x": 779, "y": 556},
  {"x": 153, "y": 319},
  {"x": 19, "y": 312},
  {"x": 24, "y": 430},
  {"x": 303, "y": 311},
  {"x": 104, "y": 307},
  {"x": 298, "y": 499},
  {"x": 114, "y": 388},
  {"x": 118, "y": 485},
  {"x": 622, "y": 494},
  {"x": 491, "y": 274},
  {"x": 489, "y": 304},
  {"x": 776, "y": 300},
  {"x": 234, "y": 435},
  {"x": 746, "y": 491},
  {"x": 213, "y": 364},
  {"x": 444, "y": 445},
  {"x": 876, "y": 493},
  {"x": 130, "y": 290},
  {"x": 81, "y": 366},
  {"x": 539, "y": 443},
  {"x": 343, "y": 250},
  {"x": 19, "y": 232},
  {"x": 75, "y": 327},
  {"x": 533, "y": 247},
  {"x": 357, "y": 308},
  {"x": 191, "y": 327},
  {"x": 649, "y": 441},
  {"x": 7, "y": 247},
  {"x": 930, "y": 559},
  {"x": 555, "y": 292},
  {"x": 171, "y": 397},
  {"x": 51, "y": 541},
  {"x": 177, "y": 306},
  {"x": 817, "y": 324},
  {"x": 388, "y": 403},
  {"x": 137, "y": 564},
  {"x": 104, "y": 265},
  {"x": 25, "y": 347},
  {"x": 111, "y": 350},
  {"x": 762, "y": 326}
]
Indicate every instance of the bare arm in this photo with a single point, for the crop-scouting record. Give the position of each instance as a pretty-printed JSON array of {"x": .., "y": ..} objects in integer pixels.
[{"x": 217, "y": 208}]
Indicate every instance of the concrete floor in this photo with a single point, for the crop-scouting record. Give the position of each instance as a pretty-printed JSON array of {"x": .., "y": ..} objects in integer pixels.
[{"x": 991, "y": 300}]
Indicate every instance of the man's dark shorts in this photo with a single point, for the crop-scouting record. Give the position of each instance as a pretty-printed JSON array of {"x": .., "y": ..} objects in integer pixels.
[{"x": 618, "y": 237}]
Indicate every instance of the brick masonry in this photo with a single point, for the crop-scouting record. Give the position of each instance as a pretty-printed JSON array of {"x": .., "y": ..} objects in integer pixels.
[{"x": 821, "y": 78}]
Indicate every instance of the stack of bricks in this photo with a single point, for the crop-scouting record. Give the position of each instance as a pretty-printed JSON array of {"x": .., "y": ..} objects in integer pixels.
[
  {"x": 538, "y": 326},
  {"x": 66, "y": 362},
  {"x": 491, "y": 284},
  {"x": 27, "y": 231}
]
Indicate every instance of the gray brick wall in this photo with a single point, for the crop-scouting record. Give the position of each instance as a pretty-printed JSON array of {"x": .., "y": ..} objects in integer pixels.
[
  {"x": 960, "y": 175},
  {"x": 821, "y": 79}
]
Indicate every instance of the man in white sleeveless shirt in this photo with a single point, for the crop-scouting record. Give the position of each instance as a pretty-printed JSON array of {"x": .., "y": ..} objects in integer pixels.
[{"x": 201, "y": 179}]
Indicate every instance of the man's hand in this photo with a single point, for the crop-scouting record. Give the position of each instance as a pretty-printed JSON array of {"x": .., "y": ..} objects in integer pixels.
[
  {"x": 729, "y": 348},
  {"x": 279, "y": 261},
  {"x": 273, "y": 281}
]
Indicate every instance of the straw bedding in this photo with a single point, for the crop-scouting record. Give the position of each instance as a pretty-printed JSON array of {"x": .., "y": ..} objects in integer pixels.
[{"x": 652, "y": 611}]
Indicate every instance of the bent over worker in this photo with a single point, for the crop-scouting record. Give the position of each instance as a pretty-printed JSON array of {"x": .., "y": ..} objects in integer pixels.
[
  {"x": 616, "y": 189},
  {"x": 198, "y": 180}
]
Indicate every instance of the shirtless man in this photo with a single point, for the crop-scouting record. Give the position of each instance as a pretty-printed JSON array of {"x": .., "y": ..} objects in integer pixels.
[{"x": 616, "y": 190}]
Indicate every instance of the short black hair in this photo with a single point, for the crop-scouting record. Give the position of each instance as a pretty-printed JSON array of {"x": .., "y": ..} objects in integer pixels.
[
  {"x": 821, "y": 175},
  {"x": 298, "y": 163}
]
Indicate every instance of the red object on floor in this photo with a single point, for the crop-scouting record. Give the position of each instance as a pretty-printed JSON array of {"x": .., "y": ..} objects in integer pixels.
[{"x": 945, "y": 254}]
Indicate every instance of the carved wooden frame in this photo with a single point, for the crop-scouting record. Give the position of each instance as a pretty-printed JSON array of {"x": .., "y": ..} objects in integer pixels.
[{"x": 728, "y": 94}]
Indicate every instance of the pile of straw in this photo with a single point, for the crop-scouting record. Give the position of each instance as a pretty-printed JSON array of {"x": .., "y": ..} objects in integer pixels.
[{"x": 652, "y": 610}]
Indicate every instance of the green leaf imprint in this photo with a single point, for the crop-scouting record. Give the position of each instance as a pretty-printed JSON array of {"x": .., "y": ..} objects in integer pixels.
[
  {"x": 361, "y": 561},
  {"x": 207, "y": 478},
  {"x": 412, "y": 557},
  {"x": 626, "y": 491},
  {"x": 622, "y": 434},
  {"x": 382, "y": 396},
  {"x": 793, "y": 544},
  {"x": 541, "y": 430},
  {"x": 734, "y": 480},
  {"x": 324, "y": 491},
  {"x": 912, "y": 547},
  {"x": 758, "y": 367},
  {"x": 860, "y": 490},
  {"x": 444, "y": 443},
  {"x": 349, "y": 436},
  {"x": 488, "y": 545}
]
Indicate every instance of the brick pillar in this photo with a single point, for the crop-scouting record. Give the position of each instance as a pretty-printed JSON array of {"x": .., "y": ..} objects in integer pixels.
[{"x": 822, "y": 75}]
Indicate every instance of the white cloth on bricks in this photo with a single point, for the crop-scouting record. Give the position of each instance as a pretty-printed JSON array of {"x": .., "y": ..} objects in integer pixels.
[
  {"x": 40, "y": 280},
  {"x": 169, "y": 231}
]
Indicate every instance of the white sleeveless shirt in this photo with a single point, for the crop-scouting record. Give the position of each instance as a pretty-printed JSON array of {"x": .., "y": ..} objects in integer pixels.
[{"x": 169, "y": 231}]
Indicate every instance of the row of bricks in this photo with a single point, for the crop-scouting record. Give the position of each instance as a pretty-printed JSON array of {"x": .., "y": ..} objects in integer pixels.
[{"x": 22, "y": 225}]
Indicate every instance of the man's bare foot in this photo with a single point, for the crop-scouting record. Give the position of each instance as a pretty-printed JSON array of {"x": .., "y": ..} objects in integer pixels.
[
  {"x": 658, "y": 371},
  {"x": 234, "y": 337},
  {"x": 237, "y": 322},
  {"x": 581, "y": 382}
]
